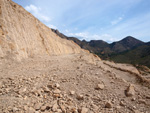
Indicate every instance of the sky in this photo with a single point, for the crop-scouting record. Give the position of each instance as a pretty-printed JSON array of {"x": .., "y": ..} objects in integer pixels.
[{"x": 108, "y": 20}]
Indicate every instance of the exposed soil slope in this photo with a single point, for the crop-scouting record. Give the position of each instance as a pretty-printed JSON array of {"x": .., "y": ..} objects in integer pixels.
[{"x": 23, "y": 36}]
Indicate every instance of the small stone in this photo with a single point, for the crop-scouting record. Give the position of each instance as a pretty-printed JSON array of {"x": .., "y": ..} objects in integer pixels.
[
  {"x": 108, "y": 105},
  {"x": 43, "y": 108},
  {"x": 134, "y": 107},
  {"x": 72, "y": 92},
  {"x": 55, "y": 107},
  {"x": 47, "y": 112},
  {"x": 1, "y": 84},
  {"x": 59, "y": 111},
  {"x": 99, "y": 86},
  {"x": 1, "y": 91},
  {"x": 57, "y": 91},
  {"x": 57, "y": 85},
  {"x": 22, "y": 90},
  {"x": 46, "y": 106},
  {"x": 15, "y": 109},
  {"x": 37, "y": 92},
  {"x": 130, "y": 91},
  {"x": 96, "y": 73},
  {"x": 84, "y": 110},
  {"x": 31, "y": 110},
  {"x": 50, "y": 86},
  {"x": 56, "y": 95},
  {"x": 36, "y": 112},
  {"x": 63, "y": 108},
  {"x": 37, "y": 106},
  {"x": 74, "y": 110},
  {"x": 80, "y": 97},
  {"x": 118, "y": 107},
  {"x": 133, "y": 99},
  {"x": 141, "y": 101},
  {"x": 26, "y": 108},
  {"x": 95, "y": 107},
  {"x": 46, "y": 89},
  {"x": 122, "y": 103},
  {"x": 136, "y": 111},
  {"x": 148, "y": 96}
]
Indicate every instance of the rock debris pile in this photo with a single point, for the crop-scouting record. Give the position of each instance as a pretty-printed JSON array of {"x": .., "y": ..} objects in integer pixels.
[{"x": 60, "y": 84}]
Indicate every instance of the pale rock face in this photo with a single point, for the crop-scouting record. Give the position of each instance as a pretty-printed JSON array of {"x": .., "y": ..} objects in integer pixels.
[
  {"x": 130, "y": 90},
  {"x": 84, "y": 110},
  {"x": 23, "y": 36},
  {"x": 100, "y": 86}
]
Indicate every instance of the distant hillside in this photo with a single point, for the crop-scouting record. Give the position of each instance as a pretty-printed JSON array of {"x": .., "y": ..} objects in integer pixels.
[
  {"x": 139, "y": 55},
  {"x": 127, "y": 50},
  {"x": 125, "y": 44}
]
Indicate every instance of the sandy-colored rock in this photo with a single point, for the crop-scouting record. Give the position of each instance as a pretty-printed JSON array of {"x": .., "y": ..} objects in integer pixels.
[
  {"x": 57, "y": 91},
  {"x": 84, "y": 110},
  {"x": 57, "y": 85},
  {"x": 37, "y": 106},
  {"x": 43, "y": 108},
  {"x": 22, "y": 90},
  {"x": 55, "y": 107},
  {"x": 56, "y": 95},
  {"x": 136, "y": 111},
  {"x": 108, "y": 104},
  {"x": 99, "y": 86},
  {"x": 15, "y": 109},
  {"x": 1, "y": 84},
  {"x": 63, "y": 108},
  {"x": 80, "y": 97},
  {"x": 46, "y": 89},
  {"x": 31, "y": 110},
  {"x": 50, "y": 85},
  {"x": 130, "y": 90},
  {"x": 142, "y": 101},
  {"x": 122, "y": 103},
  {"x": 72, "y": 92}
]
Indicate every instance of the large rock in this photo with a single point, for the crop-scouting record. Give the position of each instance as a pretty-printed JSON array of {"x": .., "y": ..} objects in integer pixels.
[
  {"x": 99, "y": 86},
  {"x": 108, "y": 104},
  {"x": 130, "y": 91},
  {"x": 84, "y": 110},
  {"x": 37, "y": 106}
]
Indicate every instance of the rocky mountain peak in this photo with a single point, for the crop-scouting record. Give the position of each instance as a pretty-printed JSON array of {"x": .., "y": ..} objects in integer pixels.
[{"x": 131, "y": 40}]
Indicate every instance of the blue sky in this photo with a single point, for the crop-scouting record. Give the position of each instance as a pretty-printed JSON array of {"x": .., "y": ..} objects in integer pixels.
[{"x": 108, "y": 20}]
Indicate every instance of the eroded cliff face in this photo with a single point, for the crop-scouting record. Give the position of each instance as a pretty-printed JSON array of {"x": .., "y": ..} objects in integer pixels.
[{"x": 23, "y": 36}]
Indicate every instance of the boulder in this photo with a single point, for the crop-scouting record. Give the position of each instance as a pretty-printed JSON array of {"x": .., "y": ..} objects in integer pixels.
[
  {"x": 84, "y": 110},
  {"x": 108, "y": 105},
  {"x": 100, "y": 86},
  {"x": 130, "y": 90}
]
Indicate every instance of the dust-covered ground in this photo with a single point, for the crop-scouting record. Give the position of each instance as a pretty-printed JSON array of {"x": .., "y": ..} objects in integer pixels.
[{"x": 70, "y": 84}]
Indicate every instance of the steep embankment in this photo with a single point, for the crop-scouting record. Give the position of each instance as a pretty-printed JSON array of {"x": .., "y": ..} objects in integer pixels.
[{"x": 22, "y": 35}]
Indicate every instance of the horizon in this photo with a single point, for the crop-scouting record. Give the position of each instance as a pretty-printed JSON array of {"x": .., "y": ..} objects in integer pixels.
[{"x": 99, "y": 20}]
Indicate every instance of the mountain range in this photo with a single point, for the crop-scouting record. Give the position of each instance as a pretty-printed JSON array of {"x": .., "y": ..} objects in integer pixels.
[{"x": 128, "y": 50}]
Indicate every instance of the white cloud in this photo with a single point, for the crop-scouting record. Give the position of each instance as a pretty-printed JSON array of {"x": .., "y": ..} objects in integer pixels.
[
  {"x": 52, "y": 26},
  {"x": 36, "y": 11},
  {"x": 87, "y": 36},
  {"x": 67, "y": 31},
  {"x": 114, "y": 22}
]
